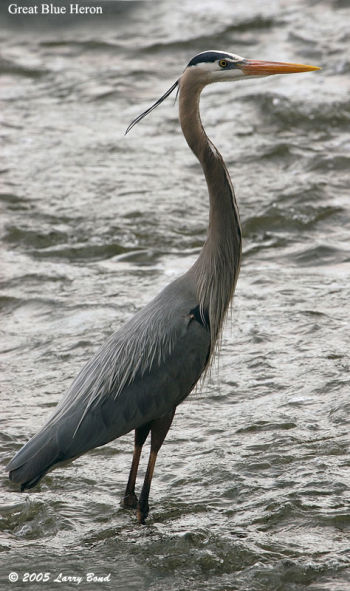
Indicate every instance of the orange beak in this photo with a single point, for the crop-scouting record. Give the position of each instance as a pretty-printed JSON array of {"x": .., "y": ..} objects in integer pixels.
[{"x": 262, "y": 68}]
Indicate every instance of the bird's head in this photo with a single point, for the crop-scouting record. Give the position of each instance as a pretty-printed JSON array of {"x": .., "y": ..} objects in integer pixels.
[{"x": 219, "y": 66}]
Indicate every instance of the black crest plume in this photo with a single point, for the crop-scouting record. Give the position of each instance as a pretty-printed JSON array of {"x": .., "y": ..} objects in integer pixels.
[{"x": 160, "y": 100}]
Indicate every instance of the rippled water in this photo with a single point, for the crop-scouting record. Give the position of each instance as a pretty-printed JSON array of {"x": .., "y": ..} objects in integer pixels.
[{"x": 251, "y": 490}]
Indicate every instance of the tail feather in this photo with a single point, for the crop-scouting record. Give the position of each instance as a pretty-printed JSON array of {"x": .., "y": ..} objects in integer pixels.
[
  {"x": 59, "y": 443},
  {"x": 34, "y": 460}
]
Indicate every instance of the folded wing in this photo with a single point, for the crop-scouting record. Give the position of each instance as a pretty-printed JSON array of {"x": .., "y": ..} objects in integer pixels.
[{"x": 140, "y": 373}]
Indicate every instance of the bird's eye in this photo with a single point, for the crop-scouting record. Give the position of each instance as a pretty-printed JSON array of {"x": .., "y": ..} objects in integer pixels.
[{"x": 223, "y": 64}]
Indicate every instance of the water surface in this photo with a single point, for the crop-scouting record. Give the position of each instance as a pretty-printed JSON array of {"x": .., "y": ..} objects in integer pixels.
[{"x": 251, "y": 490}]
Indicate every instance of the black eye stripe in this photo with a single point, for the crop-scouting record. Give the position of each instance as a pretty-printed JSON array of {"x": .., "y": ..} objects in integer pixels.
[{"x": 207, "y": 57}]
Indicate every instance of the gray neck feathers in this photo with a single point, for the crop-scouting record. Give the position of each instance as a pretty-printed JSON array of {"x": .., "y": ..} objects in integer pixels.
[{"x": 215, "y": 272}]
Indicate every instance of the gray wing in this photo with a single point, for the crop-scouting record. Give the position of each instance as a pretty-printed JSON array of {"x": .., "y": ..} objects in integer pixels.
[{"x": 141, "y": 373}]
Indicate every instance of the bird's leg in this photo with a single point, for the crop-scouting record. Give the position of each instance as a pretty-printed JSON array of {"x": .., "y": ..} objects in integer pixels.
[
  {"x": 130, "y": 499},
  {"x": 159, "y": 430}
]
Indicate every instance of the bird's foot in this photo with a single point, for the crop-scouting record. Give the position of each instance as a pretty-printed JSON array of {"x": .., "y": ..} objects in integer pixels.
[
  {"x": 142, "y": 512},
  {"x": 129, "y": 501}
]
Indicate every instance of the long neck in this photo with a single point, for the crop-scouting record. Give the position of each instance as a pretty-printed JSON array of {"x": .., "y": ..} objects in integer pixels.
[{"x": 215, "y": 272}]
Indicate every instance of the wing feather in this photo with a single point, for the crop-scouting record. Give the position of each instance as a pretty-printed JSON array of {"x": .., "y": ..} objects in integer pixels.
[{"x": 140, "y": 347}]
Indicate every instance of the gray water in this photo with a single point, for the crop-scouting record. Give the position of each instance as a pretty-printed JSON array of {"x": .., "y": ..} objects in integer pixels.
[{"x": 251, "y": 490}]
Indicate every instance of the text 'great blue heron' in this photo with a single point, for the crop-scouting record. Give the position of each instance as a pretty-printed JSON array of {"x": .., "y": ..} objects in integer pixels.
[{"x": 145, "y": 369}]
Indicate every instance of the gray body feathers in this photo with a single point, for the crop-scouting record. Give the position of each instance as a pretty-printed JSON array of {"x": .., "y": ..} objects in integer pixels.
[{"x": 142, "y": 372}]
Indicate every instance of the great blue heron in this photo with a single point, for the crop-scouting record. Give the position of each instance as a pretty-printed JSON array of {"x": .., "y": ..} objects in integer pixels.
[{"x": 150, "y": 365}]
